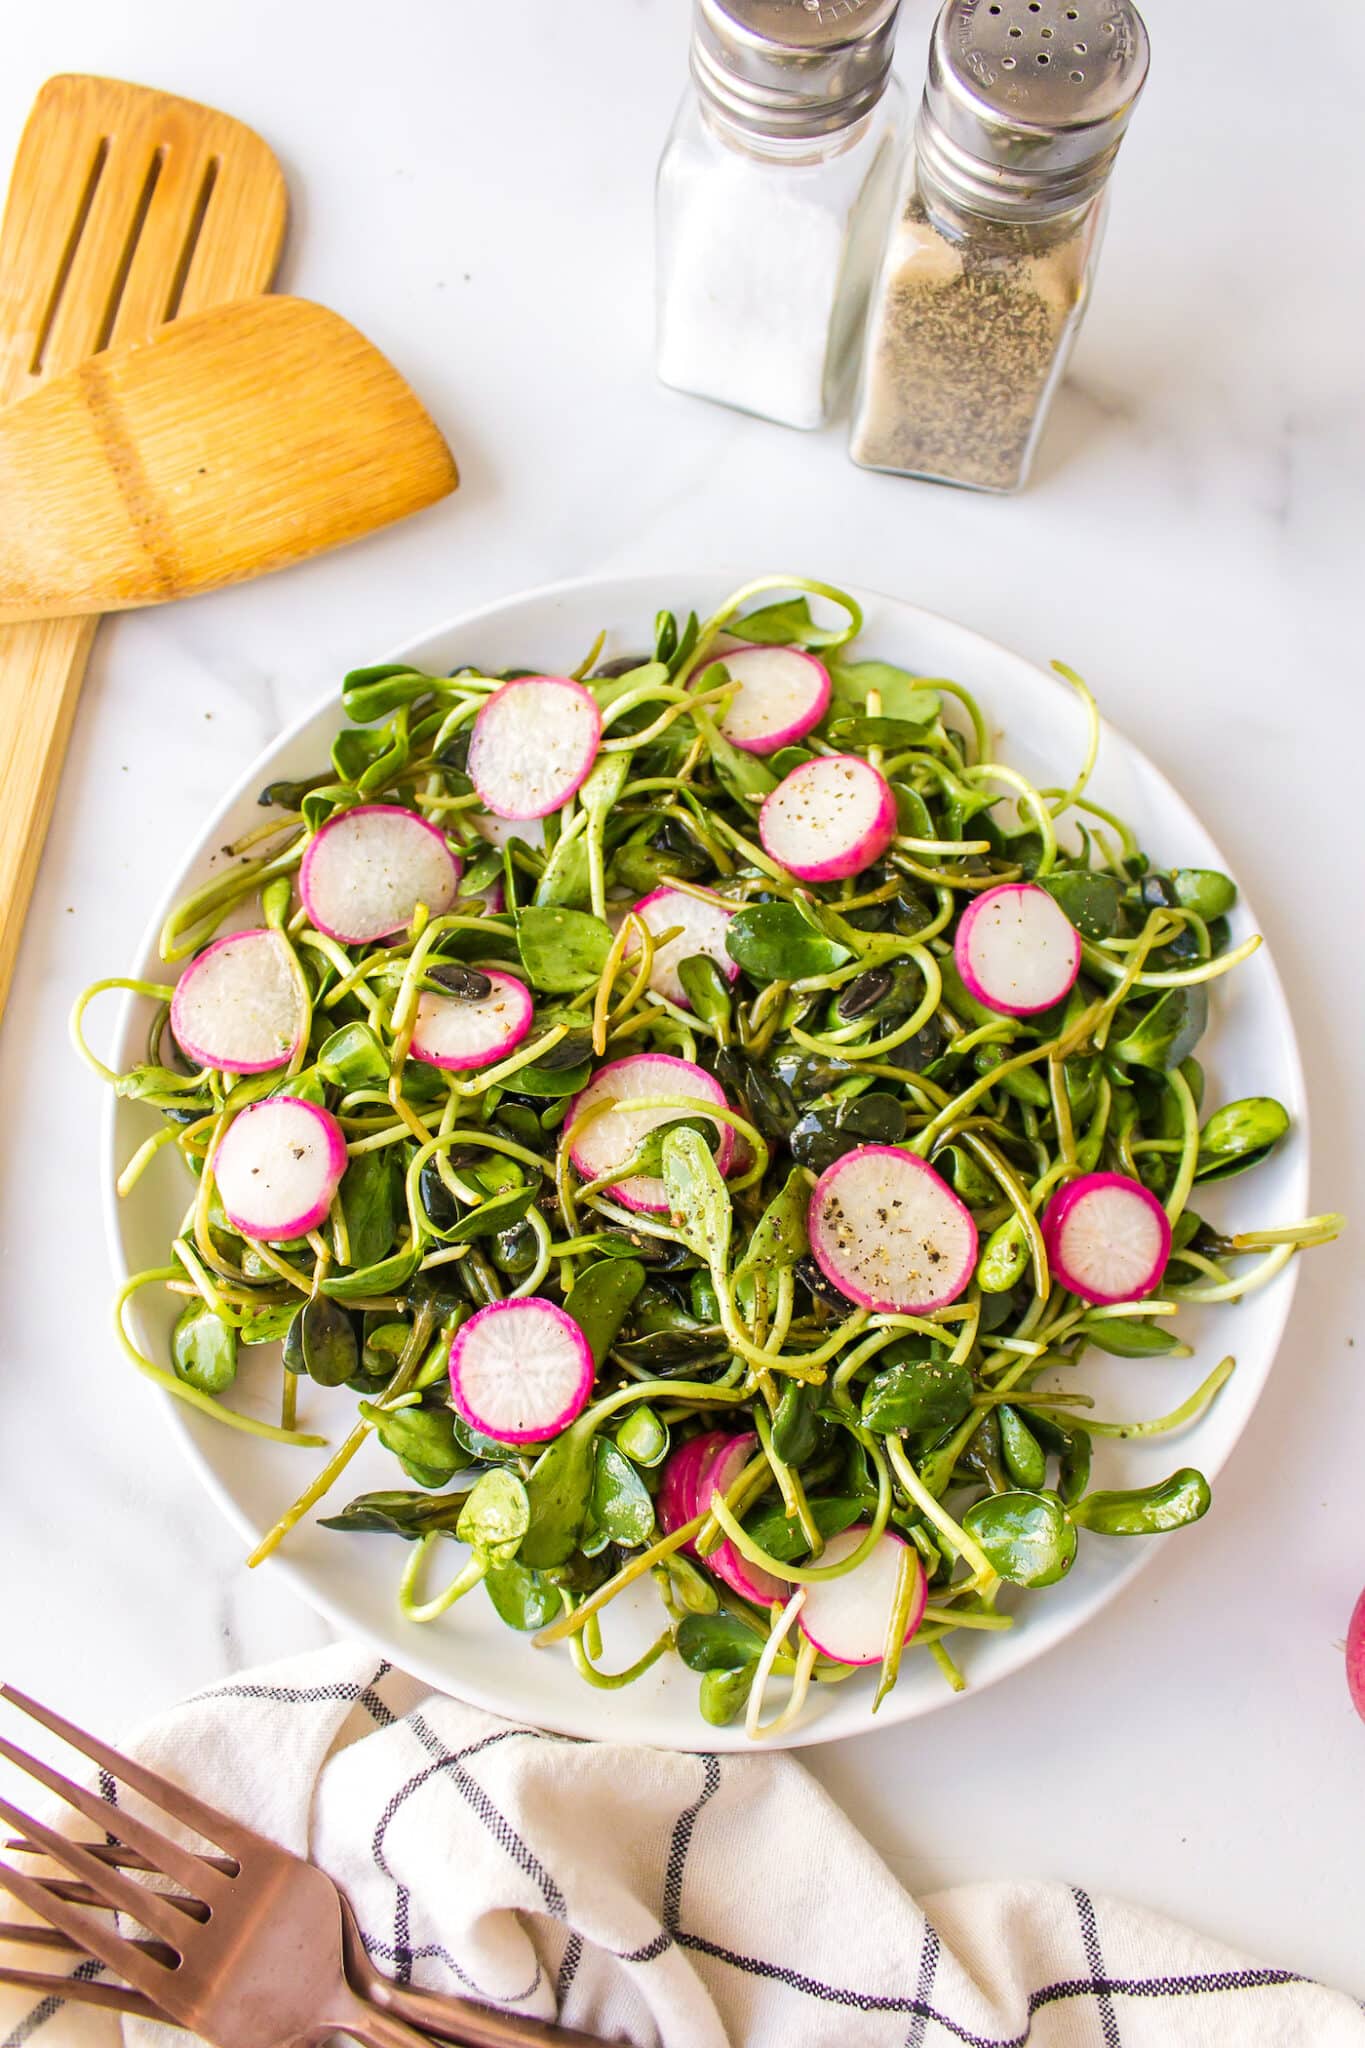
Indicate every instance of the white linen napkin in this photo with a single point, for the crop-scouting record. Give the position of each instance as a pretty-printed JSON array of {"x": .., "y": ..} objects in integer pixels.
[{"x": 690, "y": 1901}]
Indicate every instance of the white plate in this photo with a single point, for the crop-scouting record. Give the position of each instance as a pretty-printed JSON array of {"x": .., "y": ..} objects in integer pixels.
[{"x": 352, "y": 1579}]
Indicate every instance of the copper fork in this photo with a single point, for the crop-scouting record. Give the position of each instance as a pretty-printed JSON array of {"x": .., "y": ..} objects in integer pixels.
[{"x": 257, "y": 1949}]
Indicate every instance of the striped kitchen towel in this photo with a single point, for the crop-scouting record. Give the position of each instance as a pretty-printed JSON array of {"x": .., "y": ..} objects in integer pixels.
[{"x": 651, "y": 1897}]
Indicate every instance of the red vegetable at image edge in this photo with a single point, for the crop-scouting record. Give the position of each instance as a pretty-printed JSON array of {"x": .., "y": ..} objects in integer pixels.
[{"x": 1355, "y": 1656}]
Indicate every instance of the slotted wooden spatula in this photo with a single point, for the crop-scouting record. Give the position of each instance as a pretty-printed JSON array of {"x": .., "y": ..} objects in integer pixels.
[
  {"x": 126, "y": 208},
  {"x": 235, "y": 442}
]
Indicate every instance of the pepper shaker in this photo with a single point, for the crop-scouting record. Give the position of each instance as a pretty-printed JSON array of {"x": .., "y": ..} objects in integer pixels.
[
  {"x": 771, "y": 198},
  {"x": 994, "y": 237}
]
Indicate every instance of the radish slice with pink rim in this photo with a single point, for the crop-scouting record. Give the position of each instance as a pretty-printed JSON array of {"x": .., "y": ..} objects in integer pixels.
[
  {"x": 717, "y": 1475},
  {"x": 705, "y": 922},
  {"x": 829, "y": 819},
  {"x": 241, "y": 1005},
  {"x": 678, "y": 1498},
  {"x": 889, "y": 1231},
  {"x": 366, "y": 871},
  {"x": 501, "y": 832},
  {"x": 277, "y": 1167},
  {"x": 520, "y": 1371},
  {"x": 1108, "y": 1238},
  {"x": 611, "y": 1138},
  {"x": 846, "y": 1618},
  {"x": 783, "y": 694},
  {"x": 533, "y": 743},
  {"x": 459, "y": 1032},
  {"x": 1017, "y": 950}
]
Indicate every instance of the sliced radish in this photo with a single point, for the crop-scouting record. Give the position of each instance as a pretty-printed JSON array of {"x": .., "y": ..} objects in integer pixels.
[
  {"x": 1108, "y": 1238},
  {"x": 720, "y": 1472},
  {"x": 889, "y": 1231},
  {"x": 846, "y": 1618},
  {"x": 500, "y": 832},
  {"x": 704, "y": 922},
  {"x": 278, "y": 1165},
  {"x": 611, "y": 1138},
  {"x": 1016, "y": 949},
  {"x": 534, "y": 741},
  {"x": 678, "y": 1498},
  {"x": 366, "y": 871},
  {"x": 830, "y": 818},
  {"x": 458, "y": 1032},
  {"x": 782, "y": 694},
  {"x": 520, "y": 1371},
  {"x": 241, "y": 1005}
]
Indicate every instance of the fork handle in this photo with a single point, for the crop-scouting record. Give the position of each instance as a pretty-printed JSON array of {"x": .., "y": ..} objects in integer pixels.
[
  {"x": 378, "y": 2029},
  {"x": 467, "y": 2025}
]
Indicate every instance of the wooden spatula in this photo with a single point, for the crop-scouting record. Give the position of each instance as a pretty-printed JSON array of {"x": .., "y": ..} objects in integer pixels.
[
  {"x": 237, "y": 441},
  {"x": 126, "y": 208}
]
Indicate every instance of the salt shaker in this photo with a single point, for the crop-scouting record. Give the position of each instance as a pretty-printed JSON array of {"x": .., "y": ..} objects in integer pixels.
[
  {"x": 994, "y": 236},
  {"x": 772, "y": 195}
]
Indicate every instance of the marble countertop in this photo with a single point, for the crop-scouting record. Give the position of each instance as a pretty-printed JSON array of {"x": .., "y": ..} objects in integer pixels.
[{"x": 473, "y": 188}]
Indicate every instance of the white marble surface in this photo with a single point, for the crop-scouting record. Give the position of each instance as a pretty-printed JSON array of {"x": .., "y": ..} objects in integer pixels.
[{"x": 472, "y": 186}]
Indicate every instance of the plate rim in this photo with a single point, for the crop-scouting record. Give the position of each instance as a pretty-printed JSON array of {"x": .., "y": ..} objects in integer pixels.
[{"x": 410, "y": 1657}]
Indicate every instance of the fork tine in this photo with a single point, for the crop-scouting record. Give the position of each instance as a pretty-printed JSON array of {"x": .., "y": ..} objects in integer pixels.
[
  {"x": 141, "y": 1971},
  {"x": 83, "y": 1895},
  {"x": 27, "y": 1934},
  {"x": 124, "y": 1858},
  {"x": 173, "y": 1799},
  {"x": 113, "y": 1997},
  {"x": 151, "y": 1909},
  {"x": 166, "y": 1856}
]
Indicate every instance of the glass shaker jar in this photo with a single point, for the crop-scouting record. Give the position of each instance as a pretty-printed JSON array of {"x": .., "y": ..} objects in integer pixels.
[
  {"x": 772, "y": 194},
  {"x": 994, "y": 236}
]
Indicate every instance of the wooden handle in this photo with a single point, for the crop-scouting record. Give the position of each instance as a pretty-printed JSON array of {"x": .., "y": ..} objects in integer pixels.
[{"x": 41, "y": 670}]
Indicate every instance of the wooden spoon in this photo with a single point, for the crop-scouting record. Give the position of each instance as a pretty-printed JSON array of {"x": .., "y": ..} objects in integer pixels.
[
  {"x": 127, "y": 208},
  {"x": 236, "y": 442}
]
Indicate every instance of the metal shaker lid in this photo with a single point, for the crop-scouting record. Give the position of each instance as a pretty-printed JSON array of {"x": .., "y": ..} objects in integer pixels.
[
  {"x": 792, "y": 67},
  {"x": 1026, "y": 101}
]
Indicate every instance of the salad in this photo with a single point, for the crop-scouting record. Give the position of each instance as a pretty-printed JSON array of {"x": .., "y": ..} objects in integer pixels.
[{"x": 703, "y": 1110}]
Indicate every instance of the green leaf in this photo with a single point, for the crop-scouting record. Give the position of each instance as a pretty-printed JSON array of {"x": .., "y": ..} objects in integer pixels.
[
  {"x": 643, "y": 1437},
  {"x": 562, "y": 951},
  {"x": 353, "y": 752},
  {"x": 566, "y": 879},
  {"x": 204, "y": 1349},
  {"x": 698, "y": 1199},
  {"x": 1167, "y": 1033},
  {"x": 423, "y": 1437},
  {"x": 779, "y": 1237},
  {"x": 745, "y": 777},
  {"x": 724, "y": 1693},
  {"x": 600, "y": 1300},
  {"x": 522, "y": 1598},
  {"x": 1129, "y": 1336},
  {"x": 495, "y": 1517},
  {"x": 1147, "y": 1510},
  {"x": 797, "y": 1429},
  {"x": 1029, "y": 1538},
  {"x": 1240, "y": 1135},
  {"x": 786, "y": 624},
  {"x": 371, "y": 693},
  {"x": 774, "y": 942},
  {"x": 1092, "y": 902},
  {"x": 492, "y": 1216},
  {"x": 371, "y": 1203},
  {"x": 717, "y": 1642},
  {"x": 605, "y": 781},
  {"x": 1024, "y": 1457},
  {"x": 559, "y": 1490},
  {"x": 855, "y": 734},
  {"x": 1205, "y": 891},
  {"x": 409, "y": 1515},
  {"x": 620, "y": 1508},
  {"x": 327, "y": 1342},
  {"x": 708, "y": 991},
  {"x": 903, "y": 696},
  {"x": 925, "y": 1396},
  {"x": 388, "y": 1277},
  {"x": 784, "y": 1539},
  {"x": 266, "y": 1325},
  {"x": 353, "y": 1058}
]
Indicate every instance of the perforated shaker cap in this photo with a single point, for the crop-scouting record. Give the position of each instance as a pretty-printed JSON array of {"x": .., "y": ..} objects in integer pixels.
[
  {"x": 1026, "y": 101},
  {"x": 792, "y": 67}
]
